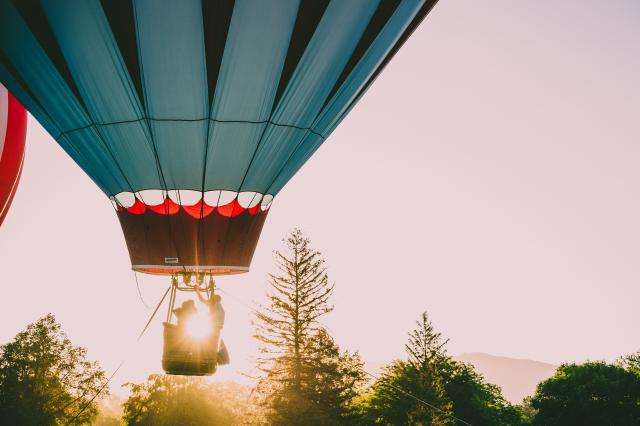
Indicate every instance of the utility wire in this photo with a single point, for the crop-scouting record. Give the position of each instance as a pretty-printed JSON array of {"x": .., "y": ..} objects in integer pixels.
[
  {"x": 146, "y": 326},
  {"x": 431, "y": 406},
  {"x": 237, "y": 299},
  {"x": 422, "y": 401}
]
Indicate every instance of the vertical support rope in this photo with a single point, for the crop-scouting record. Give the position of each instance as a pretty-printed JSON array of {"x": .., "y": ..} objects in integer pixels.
[{"x": 172, "y": 298}]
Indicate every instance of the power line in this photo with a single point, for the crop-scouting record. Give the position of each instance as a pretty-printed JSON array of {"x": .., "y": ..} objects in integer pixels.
[
  {"x": 238, "y": 300},
  {"x": 431, "y": 406}
]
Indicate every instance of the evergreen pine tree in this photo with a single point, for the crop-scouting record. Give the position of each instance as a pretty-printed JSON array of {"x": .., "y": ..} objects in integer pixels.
[
  {"x": 429, "y": 374},
  {"x": 425, "y": 346},
  {"x": 427, "y": 353},
  {"x": 307, "y": 380},
  {"x": 299, "y": 296},
  {"x": 389, "y": 401},
  {"x": 333, "y": 379}
]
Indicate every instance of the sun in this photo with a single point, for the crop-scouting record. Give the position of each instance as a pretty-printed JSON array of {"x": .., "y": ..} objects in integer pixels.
[{"x": 199, "y": 326}]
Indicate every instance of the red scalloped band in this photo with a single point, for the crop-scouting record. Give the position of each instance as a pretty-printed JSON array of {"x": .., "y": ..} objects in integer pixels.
[{"x": 197, "y": 211}]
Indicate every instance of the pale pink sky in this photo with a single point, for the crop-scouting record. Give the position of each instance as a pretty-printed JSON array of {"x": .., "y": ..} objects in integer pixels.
[{"x": 490, "y": 176}]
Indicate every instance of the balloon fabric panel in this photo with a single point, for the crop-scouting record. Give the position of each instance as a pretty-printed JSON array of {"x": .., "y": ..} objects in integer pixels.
[
  {"x": 220, "y": 101},
  {"x": 176, "y": 137}
]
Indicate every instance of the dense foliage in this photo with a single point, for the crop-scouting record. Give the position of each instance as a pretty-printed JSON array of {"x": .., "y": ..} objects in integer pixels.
[
  {"x": 390, "y": 400},
  {"x": 474, "y": 400},
  {"x": 306, "y": 378},
  {"x": 180, "y": 400},
  {"x": 631, "y": 362},
  {"x": 430, "y": 388},
  {"x": 593, "y": 393},
  {"x": 45, "y": 380}
]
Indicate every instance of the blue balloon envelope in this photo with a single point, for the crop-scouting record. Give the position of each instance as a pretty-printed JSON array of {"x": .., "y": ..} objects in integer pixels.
[{"x": 192, "y": 115}]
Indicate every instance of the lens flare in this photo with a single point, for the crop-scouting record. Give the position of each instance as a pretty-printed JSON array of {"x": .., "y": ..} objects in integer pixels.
[{"x": 199, "y": 326}]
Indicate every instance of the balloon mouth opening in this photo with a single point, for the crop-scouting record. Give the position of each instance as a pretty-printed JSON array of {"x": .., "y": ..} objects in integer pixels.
[
  {"x": 170, "y": 270},
  {"x": 179, "y": 243}
]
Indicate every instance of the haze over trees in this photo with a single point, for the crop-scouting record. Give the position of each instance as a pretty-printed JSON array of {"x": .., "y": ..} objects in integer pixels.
[
  {"x": 516, "y": 377},
  {"x": 306, "y": 378},
  {"x": 182, "y": 400},
  {"x": 46, "y": 380}
]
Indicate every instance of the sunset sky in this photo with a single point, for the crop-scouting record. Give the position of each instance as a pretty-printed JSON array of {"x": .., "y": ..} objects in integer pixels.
[{"x": 490, "y": 177}]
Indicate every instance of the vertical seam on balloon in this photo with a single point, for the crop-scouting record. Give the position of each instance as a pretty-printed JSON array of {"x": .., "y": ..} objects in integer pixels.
[
  {"x": 100, "y": 137},
  {"x": 358, "y": 53},
  {"x": 117, "y": 47},
  {"x": 113, "y": 13},
  {"x": 204, "y": 176},
  {"x": 299, "y": 53},
  {"x": 377, "y": 23},
  {"x": 226, "y": 235},
  {"x": 211, "y": 90},
  {"x": 420, "y": 15},
  {"x": 413, "y": 25},
  {"x": 295, "y": 52},
  {"x": 72, "y": 86},
  {"x": 4, "y": 60},
  {"x": 281, "y": 88},
  {"x": 153, "y": 143},
  {"x": 50, "y": 47},
  {"x": 284, "y": 165},
  {"x": 206, "y": 137}
]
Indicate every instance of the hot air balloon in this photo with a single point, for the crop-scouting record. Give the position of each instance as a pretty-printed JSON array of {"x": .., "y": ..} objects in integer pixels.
[
  {"x": 192, "y": 115},
  {"x": 13, "y": 130}
]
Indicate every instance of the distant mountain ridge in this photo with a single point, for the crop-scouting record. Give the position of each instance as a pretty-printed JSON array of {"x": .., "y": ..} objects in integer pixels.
[{"x": 517, "y": 378}]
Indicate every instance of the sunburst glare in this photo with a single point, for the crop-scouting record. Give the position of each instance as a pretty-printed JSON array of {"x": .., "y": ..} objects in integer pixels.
[{"x": 199, "y": 326}]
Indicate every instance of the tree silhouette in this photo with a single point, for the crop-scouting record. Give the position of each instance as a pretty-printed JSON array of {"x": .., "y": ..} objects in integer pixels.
[
  {"x": 430, "y": 388},
  {"x": 631, "y": 362},
  {"x": 180, "y": 400},
  {"x": 45, "y": 380},
  {"x": 307, "y": 379},
  {"x": 425, "y": 347},
  {"x": 593, "y": 393},
  {"x": 401, "y": 394}
]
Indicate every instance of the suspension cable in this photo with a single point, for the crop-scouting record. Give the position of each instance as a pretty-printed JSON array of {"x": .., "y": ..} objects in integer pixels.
[
  {"x": 106, "y": 383},
  {"x": 237, "y": 299},
  {"x": 135, "y": 274}
]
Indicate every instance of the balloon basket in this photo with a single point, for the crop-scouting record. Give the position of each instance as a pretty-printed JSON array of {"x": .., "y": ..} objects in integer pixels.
[{"x": 183, "y": 354}]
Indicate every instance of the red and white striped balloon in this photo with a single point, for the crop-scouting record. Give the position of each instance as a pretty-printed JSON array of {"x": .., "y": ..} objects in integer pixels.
[{"x": 13, "y": 131}]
